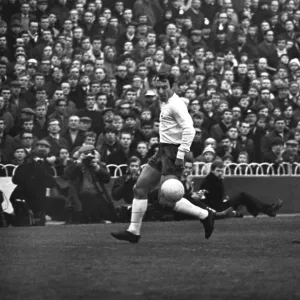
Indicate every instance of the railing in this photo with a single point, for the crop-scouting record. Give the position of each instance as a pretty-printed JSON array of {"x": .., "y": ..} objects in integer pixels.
[
  {"x": 202, "y": 169},
  {"x": 233, "y": 169},
  {"x": 252, "y": 169},
  {"x": 9, "y": 170}
]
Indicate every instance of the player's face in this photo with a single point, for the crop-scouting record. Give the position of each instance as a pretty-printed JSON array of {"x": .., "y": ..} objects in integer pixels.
[{"x": 163, "y": 89}]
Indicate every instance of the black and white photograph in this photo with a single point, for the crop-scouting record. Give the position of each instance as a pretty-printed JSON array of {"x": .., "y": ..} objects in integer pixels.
[{"x": 149, "y": 149}]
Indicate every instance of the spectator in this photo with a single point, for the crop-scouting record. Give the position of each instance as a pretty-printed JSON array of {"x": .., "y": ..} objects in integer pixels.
[
  {"x": 219, "y": 130},
  {"x": 130, "y": 123},
  {"x": 6, "y": 143},
  {"x": 195, "y": 14},
  {"x": 214, "y": 198},
  {"x": 151, "y": 9},
  {"x": 227, "y": 160},
  {"x": 146, "y": 130},
  {"x": 142, "y": 149},
  {"x": 89, "y": 139},
  {"x": 6, "y": 115},
  {"x": 243, "y": 157},
  {"x": 225, "y": 147},
  {"x": 109, "y": 144},
  {"x": 245, "y": 143},
  {"x": 41, "y": 120},
  {"x": 208, "y": 156},
  {"x": 89, "y": 175},
  {"x": 60, "y": 114},
  {"x": 25, "y": 114},
  {"x": 198, "y": 143},
  {"x": 32, "y": 178},
  {"x": 27, "y": 141},
  {"x": 279, "y": 131},
  {"x": 27, "y": 126},
  {"x": 257, "y": 133},
  {"x": 54, "y": 138},
  {"x": 85, "y": 124},
  {"x": 268, "y": 49},
  {"x": 73, "y": 135},
  {"x": 123, "y": 185},
  {"x": 290, "y": 153},
  {"x": 62, "y": 161},
  {"x": 19, "y": 156},
  {"x": 275, "y": 155},
  {"x": 95, "y": 116},
  {"x": 124, "y": 151}
]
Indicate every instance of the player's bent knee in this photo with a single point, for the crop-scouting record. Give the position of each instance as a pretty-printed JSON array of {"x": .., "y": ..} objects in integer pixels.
[{"x": 147, "y": 181}]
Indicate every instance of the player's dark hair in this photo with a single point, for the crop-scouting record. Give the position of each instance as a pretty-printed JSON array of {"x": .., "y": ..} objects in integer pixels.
[{"x": 166, "y": 77}]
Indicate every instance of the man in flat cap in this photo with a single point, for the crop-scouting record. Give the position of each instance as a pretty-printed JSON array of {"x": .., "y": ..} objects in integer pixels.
[
  {"x": 23, "y": 115},
  {"x": 196, "y": 40},
  {"x": 85, "y": 124},
  {"x": 32, "y": 178},
  {"x": 88, "y": 176},
  {"x": 290, "y": 154}
]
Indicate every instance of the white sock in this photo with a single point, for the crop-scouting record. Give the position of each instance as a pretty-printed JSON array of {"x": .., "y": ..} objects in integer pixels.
[
  {"x": 184, "y": 206},
  {"x": 138, "y": 210}
]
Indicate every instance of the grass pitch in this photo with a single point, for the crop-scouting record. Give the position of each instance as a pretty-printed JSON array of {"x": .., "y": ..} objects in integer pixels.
[{"x": 244, "y": 259}]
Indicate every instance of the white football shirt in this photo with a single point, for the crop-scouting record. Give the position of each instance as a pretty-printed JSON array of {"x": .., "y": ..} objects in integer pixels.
[{"x": 176, "y": 125}]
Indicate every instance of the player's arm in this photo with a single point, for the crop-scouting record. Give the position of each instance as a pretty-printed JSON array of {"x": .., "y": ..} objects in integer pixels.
[{"x": 183, "y": 118}]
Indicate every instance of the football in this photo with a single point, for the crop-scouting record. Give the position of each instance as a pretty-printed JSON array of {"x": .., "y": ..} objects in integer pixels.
[{"x": 172, "y": 189}]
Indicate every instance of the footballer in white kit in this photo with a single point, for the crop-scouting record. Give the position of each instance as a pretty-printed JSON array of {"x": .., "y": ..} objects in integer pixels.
[{"x": 176, "y": 136}]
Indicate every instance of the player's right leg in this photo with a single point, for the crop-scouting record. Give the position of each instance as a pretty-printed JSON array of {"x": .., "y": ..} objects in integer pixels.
[
  {"x": 147, "y": 181},
  {"x": 184, "y": 206}
]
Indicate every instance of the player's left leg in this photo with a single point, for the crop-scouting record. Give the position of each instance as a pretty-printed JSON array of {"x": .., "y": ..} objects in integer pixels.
[
  {"x": 184, "y": 206},
  {"x": 148, "y": 179}
]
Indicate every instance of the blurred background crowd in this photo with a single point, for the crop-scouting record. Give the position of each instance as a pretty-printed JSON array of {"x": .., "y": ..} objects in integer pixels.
[{"x": 76, "y": 79}]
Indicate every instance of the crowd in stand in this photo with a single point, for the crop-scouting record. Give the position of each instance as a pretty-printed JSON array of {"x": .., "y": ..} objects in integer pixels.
[
  {"x": 74, "y": 72},
  {"x": 78, "y": 73}
]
